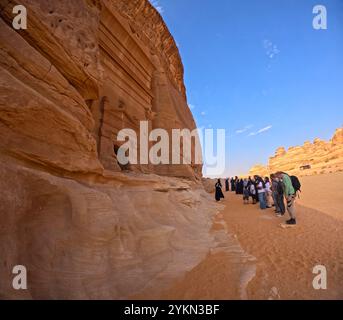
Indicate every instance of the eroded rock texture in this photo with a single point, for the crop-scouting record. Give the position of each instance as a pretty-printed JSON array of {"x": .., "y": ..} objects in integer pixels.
[
  {"x": 84, "y": 226},
  {"x": 312, "y": 158}
]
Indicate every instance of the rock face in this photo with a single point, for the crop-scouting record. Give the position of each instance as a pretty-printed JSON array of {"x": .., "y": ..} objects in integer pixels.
[
  {"x": 259, "y": 170},
  {"x": 312, "y": 158},
  {"x": 83, "y": 225},
  {"x": 209, "y": 184},
  {"x": 83, "y": 79}
]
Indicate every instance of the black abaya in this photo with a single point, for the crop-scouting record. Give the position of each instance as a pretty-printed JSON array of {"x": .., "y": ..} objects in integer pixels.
[{"x": 219, "y": 194}]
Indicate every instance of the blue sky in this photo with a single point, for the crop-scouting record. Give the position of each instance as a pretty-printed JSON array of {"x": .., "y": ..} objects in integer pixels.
[{"x": 261, "y": 71}]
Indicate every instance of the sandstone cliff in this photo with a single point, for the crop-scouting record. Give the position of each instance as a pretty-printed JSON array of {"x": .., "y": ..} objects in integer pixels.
[
  {"x": 84, "y": 226},
  {"x": 310, "y": 159}
]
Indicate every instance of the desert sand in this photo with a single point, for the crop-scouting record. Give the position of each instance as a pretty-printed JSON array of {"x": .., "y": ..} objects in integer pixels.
[{"x": 267, "y": 261}]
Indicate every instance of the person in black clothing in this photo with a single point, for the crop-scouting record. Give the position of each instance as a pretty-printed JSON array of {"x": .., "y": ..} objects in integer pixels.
[
  {"x": 279, "y": 196},
  {"x": 255, "y": 184},
  {"x": 240, "y": 186},
  {"x": 235, "y": 184},
  {"x": 227, "y": 184},
  {"x": 232, "y": 181},
  {"x": 219, "y": 193}
]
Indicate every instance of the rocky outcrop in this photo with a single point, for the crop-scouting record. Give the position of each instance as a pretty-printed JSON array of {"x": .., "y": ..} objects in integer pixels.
[
  {"x": 91, "y": 240},
  {"x": 143, "y": 81},
  {"x": 209, "y": 184},
  {"x": 259, "y": 170},
  {"x": 82, "y": 224},
  {"x": 82, "y": 71},
  {"x": 312, "y": 158}
]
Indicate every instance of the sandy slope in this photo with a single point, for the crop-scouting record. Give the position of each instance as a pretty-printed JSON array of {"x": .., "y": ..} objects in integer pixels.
[
  {"x": 285, "y": 258},
  {"x": 323, "y": 193}
]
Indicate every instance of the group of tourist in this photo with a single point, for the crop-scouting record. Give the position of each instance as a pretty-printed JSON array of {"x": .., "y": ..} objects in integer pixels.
[{"x": 267, "y": 192}]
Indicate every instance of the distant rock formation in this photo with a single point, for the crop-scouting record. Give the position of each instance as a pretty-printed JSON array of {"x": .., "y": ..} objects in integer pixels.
[
  {"x": 314, "y": 158},
  {"x": 258, "y": 169},
  {"x": 84, "y": 226}
]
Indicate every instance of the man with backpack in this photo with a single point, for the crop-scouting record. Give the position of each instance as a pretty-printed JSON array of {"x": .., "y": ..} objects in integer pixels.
[{"x": 290, "y": 194}]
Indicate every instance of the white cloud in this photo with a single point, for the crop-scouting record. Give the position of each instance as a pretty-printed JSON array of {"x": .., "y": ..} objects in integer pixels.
[
  {"x": 156, "y": 4},
  {"x": 260, "y": 131},
  {"x": 203, "y": 113},
  {"x": 270, "y": 48},
  {"x": 265, "y": 129},
  {"x": 246, "y": 128},
  {"x": 191, "y": 106}
]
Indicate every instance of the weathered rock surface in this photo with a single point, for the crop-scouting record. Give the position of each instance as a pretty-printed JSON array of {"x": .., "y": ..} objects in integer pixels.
[
  {"x": 86, "y": 240},
  {"x": 209, "y": 185},
  {"x": 318, "y": 157},
  {"x": 258, "y": 169},
  {"x": 84, "y": 226}
]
